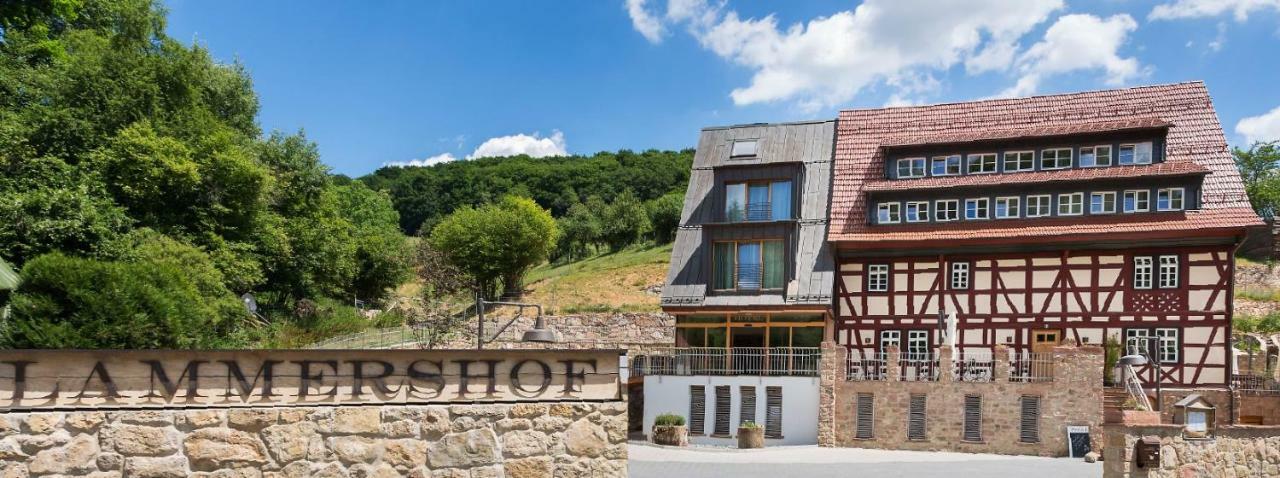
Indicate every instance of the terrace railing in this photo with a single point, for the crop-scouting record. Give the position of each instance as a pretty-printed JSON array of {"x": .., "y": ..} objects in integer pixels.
[
  {"x": 919, "y": 367},
  {"x": 974, "y": 367},
  {"x": 684, "y": 361},
  {"x": 964, "y": 366},
  {"x": 1030, "y": 367},
  {"x": 870, "y": 367}
]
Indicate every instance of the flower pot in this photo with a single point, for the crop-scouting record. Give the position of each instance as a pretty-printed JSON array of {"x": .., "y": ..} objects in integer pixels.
[
  {"x": 1139, "y": 417},
  {"x": 671, "y": 435},
  {"x": 750, "y": 437}
]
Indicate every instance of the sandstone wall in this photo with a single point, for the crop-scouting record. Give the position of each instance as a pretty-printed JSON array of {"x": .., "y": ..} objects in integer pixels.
[
  {"x": 1239, "y": 451},
  {"x": 634, "y": 332},
  {"x": 456, "y": 441}
]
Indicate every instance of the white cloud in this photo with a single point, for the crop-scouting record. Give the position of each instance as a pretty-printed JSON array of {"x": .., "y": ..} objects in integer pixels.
[
  {"x": 432, "y": 161},
  {"x": 1264, "y": 127},
  {"x": 1240, "y": 9},
  {"x": 644, "y": 22},
  {"x": 1078, "y": 42},
  {"x": 518, "y": 144}
]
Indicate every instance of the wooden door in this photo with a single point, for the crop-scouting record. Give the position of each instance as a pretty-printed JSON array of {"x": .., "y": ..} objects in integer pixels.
[{"x": 1042, "y": 344}]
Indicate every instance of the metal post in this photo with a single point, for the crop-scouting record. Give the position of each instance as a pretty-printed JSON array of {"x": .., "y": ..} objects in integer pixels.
[
  {"x": 1153, "y": 349},
  {"x": 479, "y": 320}
]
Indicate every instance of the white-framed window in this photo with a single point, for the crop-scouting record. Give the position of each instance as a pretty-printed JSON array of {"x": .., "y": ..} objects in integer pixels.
[
  {"x": 917, "y": 211},
  {"x": 1071, "y": 204},
  {"x": 1137, "y": 200},
  {"x": 1058, "y": 158},
  {"x": 1168, "y": 343},
  {"x": 911, "y": 168},
  {"x": 1169, "y": 347},
  {"x": 946, "y": 209},
  {"x": 959, "y": 275},
  {"x": 1135, "y": 342},
  {"x": 1008, "y": 207},
  {"x": 1138, "y": 153},
  {"x": 1142, "y": 272},
  {"x": 1039, "y": 205},
  {"x": 1102, "y": 203},
  {"x": 918, "y": 343},
  {"x": 1168, "y": 272},
  {"x": 1093, "y": 156},
  {"x": 1170, "y": 199},
  {"x": 744, "y": 149},
  {"x": 888, "y": 212},
  {"x": 946, "y": 165},
  {"x": 890, "y": 338},
  {"x": 877, "y": 278},
  {"x": 982, "y": 163},
  {"x": 977, "y": 208},
  {"x": 1019, "y": 161}
]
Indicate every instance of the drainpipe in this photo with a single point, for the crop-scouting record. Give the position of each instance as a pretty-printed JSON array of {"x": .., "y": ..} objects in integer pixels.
[{"x": 1231, "y": 313}]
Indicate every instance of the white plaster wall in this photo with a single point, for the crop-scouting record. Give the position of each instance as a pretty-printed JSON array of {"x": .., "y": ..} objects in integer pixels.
[{"x": 670, "y": 394}]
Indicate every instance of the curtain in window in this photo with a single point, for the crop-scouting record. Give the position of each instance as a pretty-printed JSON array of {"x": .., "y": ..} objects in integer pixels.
[
  {"x": 724, "y": 265},
  {"x": 774, "y": 265},
  {"x": 780, "y": 196},
  {"x": 758, "y": 202}
]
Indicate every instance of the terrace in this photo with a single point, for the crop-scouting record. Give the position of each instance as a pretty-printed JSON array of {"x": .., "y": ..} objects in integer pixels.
[
  {"x": 891, "y": 365},
  {"x": 725, "y": 361}
]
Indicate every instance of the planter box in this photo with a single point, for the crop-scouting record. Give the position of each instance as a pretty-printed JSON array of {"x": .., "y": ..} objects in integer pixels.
[
  {"x": 670, "y": 435},
  {"x": 750, "y": 437},
  {"x": 1139, "y": 417}
]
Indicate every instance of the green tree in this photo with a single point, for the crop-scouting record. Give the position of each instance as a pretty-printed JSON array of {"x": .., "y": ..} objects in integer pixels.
[
  {"x": 580, "y": 228},
  {"x": 496, "y": 243},
  {"x": 1260, "y": 169},
  {"x": 382, "y": 253},
  {"x": 625, "y": 221},
  {"x": 664, "y": 215}
]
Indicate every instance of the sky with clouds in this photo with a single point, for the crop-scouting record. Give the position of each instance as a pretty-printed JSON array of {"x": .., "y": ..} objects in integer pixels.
[{"x": 421, "y": 83}]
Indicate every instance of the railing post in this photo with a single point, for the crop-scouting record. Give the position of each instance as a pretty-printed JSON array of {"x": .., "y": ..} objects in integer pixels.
[
  {"x": 1000, "y": 364},
  {"x": 892, "y": 367},
  {"x": 946, "y": 366}
]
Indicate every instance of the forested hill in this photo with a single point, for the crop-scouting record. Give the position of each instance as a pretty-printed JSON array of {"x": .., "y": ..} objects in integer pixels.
[{"x": 425, "y": 195}]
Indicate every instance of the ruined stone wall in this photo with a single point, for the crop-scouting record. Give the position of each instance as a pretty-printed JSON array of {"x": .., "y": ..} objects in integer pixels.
[
  {"x": 474, "y": 440},
  {"x": 636, "y": 333},
  {"x": 1236, "y": 451}
]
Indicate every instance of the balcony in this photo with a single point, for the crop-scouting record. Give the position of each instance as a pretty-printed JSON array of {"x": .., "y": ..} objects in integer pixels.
[
  {"x": 754, "y": 212},
  {"x": 966, "y": 367},
  {"x": 750, "y": 361}
]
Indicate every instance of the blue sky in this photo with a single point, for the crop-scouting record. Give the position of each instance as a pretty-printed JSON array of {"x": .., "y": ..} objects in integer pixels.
[{"x": 398, "y": 81}]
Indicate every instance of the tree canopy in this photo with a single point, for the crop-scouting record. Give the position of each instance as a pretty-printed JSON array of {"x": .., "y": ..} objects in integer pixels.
[
  {"x": 498, "y": 242},
  {"x": 1260, "y": 169}
]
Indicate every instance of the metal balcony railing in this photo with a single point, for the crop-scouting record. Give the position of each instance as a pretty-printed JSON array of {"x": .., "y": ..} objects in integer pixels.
[
  {"x": 754, "y": 211},
  {"x": 868, "y": 367},
  {"x": 974, "y": 367},
  {"x": 685, "y": 361},
  {"x": 919, "y": 367},
  {"x": 1030, "y": 367}
]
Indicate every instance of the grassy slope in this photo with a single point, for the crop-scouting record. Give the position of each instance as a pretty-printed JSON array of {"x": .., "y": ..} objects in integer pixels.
[{"x": 623, "y": 281}]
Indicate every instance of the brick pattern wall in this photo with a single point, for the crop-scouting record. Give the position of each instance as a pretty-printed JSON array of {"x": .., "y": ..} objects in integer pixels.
[
  {"x": 1074, "y": 397},
  {"x": 455, "y": 441},
  {"x": 1235, "y": 451}
]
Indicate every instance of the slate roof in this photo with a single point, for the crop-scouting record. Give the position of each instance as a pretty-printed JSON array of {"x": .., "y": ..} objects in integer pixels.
[{"x": 1194, "y": 139}]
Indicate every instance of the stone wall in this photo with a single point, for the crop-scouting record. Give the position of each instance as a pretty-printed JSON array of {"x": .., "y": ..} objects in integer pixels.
[
  {"x": 634, "y": 332},
  {"x": 1235, "y": 451},
  {"x": 457, "y": 441},
  {"x": 1073, "y": 398}
]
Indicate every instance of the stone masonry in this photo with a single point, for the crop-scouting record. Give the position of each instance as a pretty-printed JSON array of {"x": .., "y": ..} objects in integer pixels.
[
  {"x": 1233, "y": 451},
  {"x": 457, "y": 441}
]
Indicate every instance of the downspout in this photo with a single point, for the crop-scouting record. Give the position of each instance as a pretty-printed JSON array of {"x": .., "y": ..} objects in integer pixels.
[{"x": 1231, "y": 307}]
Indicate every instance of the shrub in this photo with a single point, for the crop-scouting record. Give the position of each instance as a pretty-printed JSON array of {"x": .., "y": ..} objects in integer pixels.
[
  {"x": 664, "y": 215},
  {"x": 668, "y": 420},
  {"x": 750, "y": 425}
]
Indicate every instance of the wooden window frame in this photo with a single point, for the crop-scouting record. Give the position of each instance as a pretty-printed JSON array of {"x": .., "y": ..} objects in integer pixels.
[
  {"x": 1112, "y": 194},
  {"x": 1079, "y": 202},
  {"x": 981, "y": 162},
  {"x": 986, "y": 209},
  {"x": 1144, "y": 273},
  {"x": 1048, "y": 198},
  {"x": 954, "y": 210},
  {"x": 955, "y": 268},
  {"x": 895, "y": 212},
  {"x": 946, "y": 165},
  {"x": 1182, "y": 199},
  {"x": 1016, "y": 202},
  {"x": 746, "y": 198},
  {"x": 1057, "y": 159},
  {"x": 736, "y": 244},
  {"x": 1094, "y": 149},
  {"x": 924, "y": 167},
  {"x": 922, "y": 209},
  {"x": 1017, "y": 155},
  {"x": 1146, "y": 201},
  {"x": 1162, "y": 271},
  {"x": 888, "y": 278}
]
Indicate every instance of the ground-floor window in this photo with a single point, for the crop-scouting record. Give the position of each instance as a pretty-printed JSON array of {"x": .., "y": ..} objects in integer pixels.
[{"x": 749, "y": 330}]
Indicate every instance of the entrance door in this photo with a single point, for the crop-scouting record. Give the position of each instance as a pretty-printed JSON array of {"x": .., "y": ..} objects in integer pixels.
[
  {"x": 1042, "y": 344},
  {"x": 748, "y": 349}
]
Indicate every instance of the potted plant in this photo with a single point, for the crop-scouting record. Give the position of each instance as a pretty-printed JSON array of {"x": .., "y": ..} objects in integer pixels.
[
  {"x": 668, "y": 429},
  {"x": 750, "y": 435}
]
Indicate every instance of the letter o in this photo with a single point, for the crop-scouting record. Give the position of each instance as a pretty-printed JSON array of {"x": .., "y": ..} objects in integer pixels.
[{"x": 546, "y": 376}]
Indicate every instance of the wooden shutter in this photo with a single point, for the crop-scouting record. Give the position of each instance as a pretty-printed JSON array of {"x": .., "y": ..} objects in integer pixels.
[
  {"x": 973, "y": 417},
  {"x": 697, "y": 409},
  {"x": 773, "y": 412},
  {"x": 866, "y": 415},
  {"x": 1030, "y": 429},
  {"x": 747, "y": 409},
  {"x": 722, "y": 410},
  {"x": 916, "y": 418}
]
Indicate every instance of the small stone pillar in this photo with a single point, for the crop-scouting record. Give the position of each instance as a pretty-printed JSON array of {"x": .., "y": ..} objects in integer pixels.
[
  {"x": 946, "y": 366},
  {"x": 1000, "y": 367},
  {"x": 892, "y": 365},
  {"x": 831, "y": 372}
]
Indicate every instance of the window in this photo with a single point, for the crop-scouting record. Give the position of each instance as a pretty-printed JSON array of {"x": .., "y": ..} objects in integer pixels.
[
  {"x": 1038, "y": 206},
  {"x": 973, "y": 418},
  {"x": 1102, "y": 203},
  {"x": 1168, "y": 278},
  {"x": 918, "y": 211},
  {"x": 918, "y": 344},
  {"x": 1029, "y": 429},
  {"x": 916, "y": 417},
  {"x": 1137, "y": 200},
  {"x": 959, "y": 275},
  {"x": 743, "y": 149},
  {"x": 865, "y": 429},
  {"x": 1135, "y": 341},
  {"x": 946, "y": 165},
  {"x": 888, "y": 212},
  {"x": 1095, "y": 156},
  {"x": 697, "y": 409},
  {"x": 878, "y": 278},
  {"x": 746, "y": 404},
  {"x": 1169, "y": 199},
  {"x": 773, "y": 412},
  {"x": 1071, "y": 204},
  {"x": 890, "y": 338},
  {"x": 1019, "y": 161},
  {"x": 721, "y": 426},
  {"x": 982, "y": 163},
  {"x": 1169, "y": 346},
  {"x": 1055, "y": 158},
  {"x": 748, "y": 265},
  {"x": 1142, "y": 272},
  {"x": 1139, "y": 153},
  {"x": 911, "y": 168},
  {"x": 977, "y": 208},
  {"x": 1167, "y": 343},
  {"x": 1007, "y": 207},
  {"x": 758, "y": 201},
  {"x": 947, "y": 209}
]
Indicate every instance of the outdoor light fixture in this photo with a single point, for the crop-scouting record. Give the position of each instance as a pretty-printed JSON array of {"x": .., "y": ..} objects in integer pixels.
[
  {"x": 1133, "y": 360},
  {"x": 538, "y": 334}
]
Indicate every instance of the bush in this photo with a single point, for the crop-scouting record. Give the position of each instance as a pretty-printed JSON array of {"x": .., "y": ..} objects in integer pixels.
[
  {"x": 664, "y": 214},
  {"x": 497, "y": 242},
  {"x": 750, "y": 425},
  {"x": 668, "y": 420},
  {"x": 625, "y": 221}
]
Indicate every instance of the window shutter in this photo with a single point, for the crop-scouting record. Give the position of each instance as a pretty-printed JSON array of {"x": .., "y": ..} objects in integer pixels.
[
  {"x": 866, "y": 405},
  {"x": 1030, "y": 430},
  {"x": 747, "y": 410},
  {"x": 722, "y": 410},
  {"x": 973, "y": 417},
  {"x": 773, "y": 412},
  {"x": 697, "y": 409},
  {"x": 916, "y": 418}
]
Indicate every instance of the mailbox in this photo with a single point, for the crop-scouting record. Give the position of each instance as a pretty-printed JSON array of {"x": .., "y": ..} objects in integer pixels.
[{"x": 1147, "y": 452}]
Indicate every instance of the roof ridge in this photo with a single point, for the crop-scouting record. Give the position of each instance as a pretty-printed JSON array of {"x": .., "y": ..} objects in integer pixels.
[{"x": 1027, "y": 98}]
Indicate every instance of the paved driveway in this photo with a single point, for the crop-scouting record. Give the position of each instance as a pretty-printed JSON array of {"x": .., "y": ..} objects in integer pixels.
[{"x": 649, "y": 461}]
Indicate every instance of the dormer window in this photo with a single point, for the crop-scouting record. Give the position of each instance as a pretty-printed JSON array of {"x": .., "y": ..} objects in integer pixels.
[
  {"x": 1055, "y": 158},
  {"x": 946, "y": 165},
  {"x": 1095, "y": 156},
  {"x": 917, "y": 211},
  {"x": 982, "y": 163},
  {"x": 1137, "y": 200},
  {"x": 1019, "y": 161},
  {"x": 911, "y": 168},
  {"x": 1170, "y": 199},
  {"x": 977, "y": 208},
  {"x": 758, "y": 201},
  {"x": 1139, "y": 153},
  {"x": 744, "y": 149},
  {"x": 889, "y": 213}
]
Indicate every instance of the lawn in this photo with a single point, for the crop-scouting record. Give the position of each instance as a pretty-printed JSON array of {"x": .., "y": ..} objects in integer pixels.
[{"x": 625, "y": 281}]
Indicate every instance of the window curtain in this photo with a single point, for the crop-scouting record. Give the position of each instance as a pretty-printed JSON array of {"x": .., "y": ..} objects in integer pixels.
[
  {"x": 724, "y": 265},
  {"x": 774, "y": 266},
  {"x": 780, "y": 200}
]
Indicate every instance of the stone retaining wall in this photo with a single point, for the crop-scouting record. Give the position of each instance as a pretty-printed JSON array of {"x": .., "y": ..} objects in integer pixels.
[
  {"x": 1236, "y": 451},
  {"x": 634, "y": 332},
  {"x": 567, "y": 439}
]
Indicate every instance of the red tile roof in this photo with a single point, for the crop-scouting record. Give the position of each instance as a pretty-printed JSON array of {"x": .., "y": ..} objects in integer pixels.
[
  {"x": 1194, "y": 139},
  {"x": 1040, "y": 131},
  {"x": 1167, "y": 169}
]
